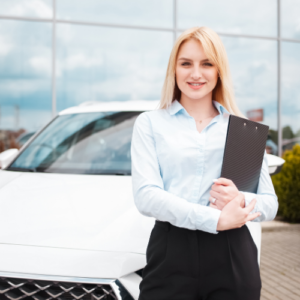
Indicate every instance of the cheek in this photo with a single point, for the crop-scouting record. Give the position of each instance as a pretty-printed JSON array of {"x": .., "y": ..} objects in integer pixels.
[
  {"x": 212, "y": 76},
  {"x": 181, "y": 75}
]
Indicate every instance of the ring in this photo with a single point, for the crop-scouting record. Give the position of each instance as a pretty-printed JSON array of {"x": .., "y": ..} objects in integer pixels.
[{"x": 213, "y": 200}]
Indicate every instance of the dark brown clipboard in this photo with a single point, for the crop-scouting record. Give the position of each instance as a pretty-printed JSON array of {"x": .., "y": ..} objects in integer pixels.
[{"x": 244, "y": 151}]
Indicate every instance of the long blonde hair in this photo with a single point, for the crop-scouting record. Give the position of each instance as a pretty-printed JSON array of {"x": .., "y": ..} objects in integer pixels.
[{"x": 215, "y": 51}]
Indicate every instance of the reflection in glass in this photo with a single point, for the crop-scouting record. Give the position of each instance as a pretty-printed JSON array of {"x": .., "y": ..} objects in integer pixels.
[
  {"x": 290, "y": 22},
  {"x": 290, "y": 95},
  {"x": 154, "y": 13},
  {"x": 25, "y": 79},
  {"x": 232, "y": 16},
  {"x": 86, "y": 143},
  {"x": 26, "y": 8},
  {"x": 104, "y": 64},
  {"x": 253, "y": 64}
]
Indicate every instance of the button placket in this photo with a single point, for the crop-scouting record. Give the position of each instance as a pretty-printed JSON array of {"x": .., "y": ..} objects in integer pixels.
[
  {"x": 200, "y": 164},
  {"x": 203, "y": 159}
]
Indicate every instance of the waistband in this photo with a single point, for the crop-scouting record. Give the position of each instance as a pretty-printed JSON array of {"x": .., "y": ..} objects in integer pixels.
[{"x": 165, "y": 225}]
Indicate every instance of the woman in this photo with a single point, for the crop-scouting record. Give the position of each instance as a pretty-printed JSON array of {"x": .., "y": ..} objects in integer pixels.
[{"x": 199, "y": 247}]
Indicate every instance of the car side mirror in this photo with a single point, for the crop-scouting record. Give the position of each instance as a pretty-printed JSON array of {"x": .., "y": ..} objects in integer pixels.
[
  {"x": 275, "y": 164},
  {"x": 7, "y": 156}
]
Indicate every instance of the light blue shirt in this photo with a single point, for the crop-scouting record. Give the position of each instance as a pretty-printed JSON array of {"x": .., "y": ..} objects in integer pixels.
[{"x": 173, "y": 166}]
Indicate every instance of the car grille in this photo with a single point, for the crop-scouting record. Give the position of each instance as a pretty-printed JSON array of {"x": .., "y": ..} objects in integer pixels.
[{"x": 16, "y": 289}]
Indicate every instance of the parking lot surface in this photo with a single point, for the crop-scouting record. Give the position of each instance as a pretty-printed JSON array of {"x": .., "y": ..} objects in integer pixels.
[{"x": 280, "y": 263}]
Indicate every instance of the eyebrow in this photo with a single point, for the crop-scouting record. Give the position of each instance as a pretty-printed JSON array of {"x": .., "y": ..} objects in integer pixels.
[{"x": 183, "y": 58}]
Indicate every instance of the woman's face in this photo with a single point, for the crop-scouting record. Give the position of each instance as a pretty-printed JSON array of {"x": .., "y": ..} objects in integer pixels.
[{"x": 196, "y": 76}]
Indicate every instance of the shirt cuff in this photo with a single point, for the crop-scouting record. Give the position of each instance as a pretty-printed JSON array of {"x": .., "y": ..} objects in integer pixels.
[
  {"x": 208, "y": 219},
  {"x": 248, "y": 198}
]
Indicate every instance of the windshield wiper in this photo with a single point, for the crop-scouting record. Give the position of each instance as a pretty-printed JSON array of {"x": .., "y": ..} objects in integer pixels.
[
  {"x": 22, "y": 169},
  {"x": 121, "y": 173}
]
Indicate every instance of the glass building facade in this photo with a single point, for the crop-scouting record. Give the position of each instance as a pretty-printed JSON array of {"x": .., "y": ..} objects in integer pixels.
[{"x": 59, "y": 53}]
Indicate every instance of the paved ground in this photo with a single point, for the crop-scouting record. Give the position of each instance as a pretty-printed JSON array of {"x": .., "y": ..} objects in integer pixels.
[{"x": 280, "y": 262}]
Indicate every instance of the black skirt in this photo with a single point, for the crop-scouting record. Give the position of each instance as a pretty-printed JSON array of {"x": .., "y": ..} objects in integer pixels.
[{"x": 185, "y": 264}]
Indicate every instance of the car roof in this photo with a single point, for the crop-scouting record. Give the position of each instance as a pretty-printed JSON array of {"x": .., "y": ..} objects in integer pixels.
[{"x": 97, "y": 106}]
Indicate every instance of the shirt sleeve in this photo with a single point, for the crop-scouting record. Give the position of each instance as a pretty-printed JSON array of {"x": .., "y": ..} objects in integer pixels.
[
  {"x": 267, "y": 201},
  {"x": 148, "y": 189}
]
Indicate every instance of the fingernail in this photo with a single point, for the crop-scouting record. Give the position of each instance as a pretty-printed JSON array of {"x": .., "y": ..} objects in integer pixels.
[
  {"x": 214, "y": 180},
  {"x": 259, "y": 214}
]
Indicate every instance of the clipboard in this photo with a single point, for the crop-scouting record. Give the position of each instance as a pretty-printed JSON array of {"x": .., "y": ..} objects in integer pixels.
[{"x": 244, "y": 152}]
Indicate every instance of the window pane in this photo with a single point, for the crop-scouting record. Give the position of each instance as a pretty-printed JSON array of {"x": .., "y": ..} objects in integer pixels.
[
  {"x": 155, "y": 13},
  {"x": 26, "y": 8},
  {"x": 232, "y": 16},
  {"x": 25, "y": 78},
  {"x": 290, "y": 21},
  {"x": 104, "y": 64},
  {"x": 290, "y": 101},
  {"x": 253, "y": 65}
]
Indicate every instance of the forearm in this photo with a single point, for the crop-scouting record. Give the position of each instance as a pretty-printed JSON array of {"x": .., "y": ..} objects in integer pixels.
[
  {"x": 164, "y": 206},
  {"x": 267, "y": 205},
  {"x": 266, "y": 198}
]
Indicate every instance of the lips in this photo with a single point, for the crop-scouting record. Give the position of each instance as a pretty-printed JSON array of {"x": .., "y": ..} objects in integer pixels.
[{"x": 196, "y": 85}]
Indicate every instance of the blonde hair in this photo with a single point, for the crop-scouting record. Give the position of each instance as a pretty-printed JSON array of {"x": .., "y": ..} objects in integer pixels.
[{"x": 215, "y": 51}]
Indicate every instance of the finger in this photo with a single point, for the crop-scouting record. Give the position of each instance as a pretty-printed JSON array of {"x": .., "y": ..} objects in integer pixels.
[
  {"x": 223, "y": 181},
  {"x": 239, "y": 198},
  {"x": 215, "y": 194},
  {"x": 213, "y": 206},
  {"x": 250, "y": 207},
  {"x": 253, "y": 216},
  {"x": 212, "y": 200},
  {"x": 218, "y": 188}
]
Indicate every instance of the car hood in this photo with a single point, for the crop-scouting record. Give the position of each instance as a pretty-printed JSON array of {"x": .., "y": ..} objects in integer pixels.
[{"x": 87, "y": 212}]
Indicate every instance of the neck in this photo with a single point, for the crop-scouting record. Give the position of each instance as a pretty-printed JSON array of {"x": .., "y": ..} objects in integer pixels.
[{"x": 199, "y": 108}]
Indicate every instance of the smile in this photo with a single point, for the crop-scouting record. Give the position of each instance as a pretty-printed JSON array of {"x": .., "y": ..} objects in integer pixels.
[{"x": 196, "y": 85}]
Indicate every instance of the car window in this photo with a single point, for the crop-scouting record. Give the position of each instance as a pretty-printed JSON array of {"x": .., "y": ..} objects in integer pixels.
[{"x": 86, "y": 143}]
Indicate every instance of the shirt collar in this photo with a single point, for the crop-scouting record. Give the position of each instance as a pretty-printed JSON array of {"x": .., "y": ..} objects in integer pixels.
[
  {"x": 221, "y": 109},
  {"x": 176, "y": 107}
]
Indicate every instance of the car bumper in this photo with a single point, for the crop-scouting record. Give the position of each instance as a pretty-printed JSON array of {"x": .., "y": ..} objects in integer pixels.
[
  {"x": 16, "y": 286},
  {"x": 114, "y": 269}
]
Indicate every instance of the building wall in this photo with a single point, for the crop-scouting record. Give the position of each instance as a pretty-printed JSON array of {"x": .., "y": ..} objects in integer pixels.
[{"x": 59, "y": 53}]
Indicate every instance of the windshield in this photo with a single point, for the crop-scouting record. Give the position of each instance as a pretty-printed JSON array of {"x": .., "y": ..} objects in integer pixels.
[{"x": 86, "y": 143}]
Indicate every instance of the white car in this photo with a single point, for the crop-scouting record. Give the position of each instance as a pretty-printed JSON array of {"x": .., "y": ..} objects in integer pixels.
[{"x": 69, "y": 226}]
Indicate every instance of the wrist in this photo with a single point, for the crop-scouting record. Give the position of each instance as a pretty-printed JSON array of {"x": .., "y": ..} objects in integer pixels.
[
  {"x": 243, "y": 202},
  {"x": 222, "y": 222}
]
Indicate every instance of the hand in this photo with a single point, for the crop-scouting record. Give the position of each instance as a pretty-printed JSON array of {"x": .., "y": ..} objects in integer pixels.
[
  {"x": 224, "y": 190},
  {"x": 233, "y": 216},
  {"x": 213, "y": 206}
]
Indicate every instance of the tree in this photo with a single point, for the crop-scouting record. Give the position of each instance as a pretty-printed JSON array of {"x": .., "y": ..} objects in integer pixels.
[
  {"x": 287, "y": 185},
  {"x": 287, "y": 133}
]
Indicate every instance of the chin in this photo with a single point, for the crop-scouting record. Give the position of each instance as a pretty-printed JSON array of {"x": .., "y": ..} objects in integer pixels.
[{"x": 196, "y": 96}]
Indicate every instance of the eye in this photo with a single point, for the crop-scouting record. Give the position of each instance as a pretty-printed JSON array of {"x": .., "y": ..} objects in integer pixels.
[
  {"x": 208, "y": 64},
  {"x": 185, "y": 64}
]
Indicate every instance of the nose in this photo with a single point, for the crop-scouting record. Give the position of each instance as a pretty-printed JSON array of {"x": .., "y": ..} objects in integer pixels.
[{"x": 196, "y": 73}]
